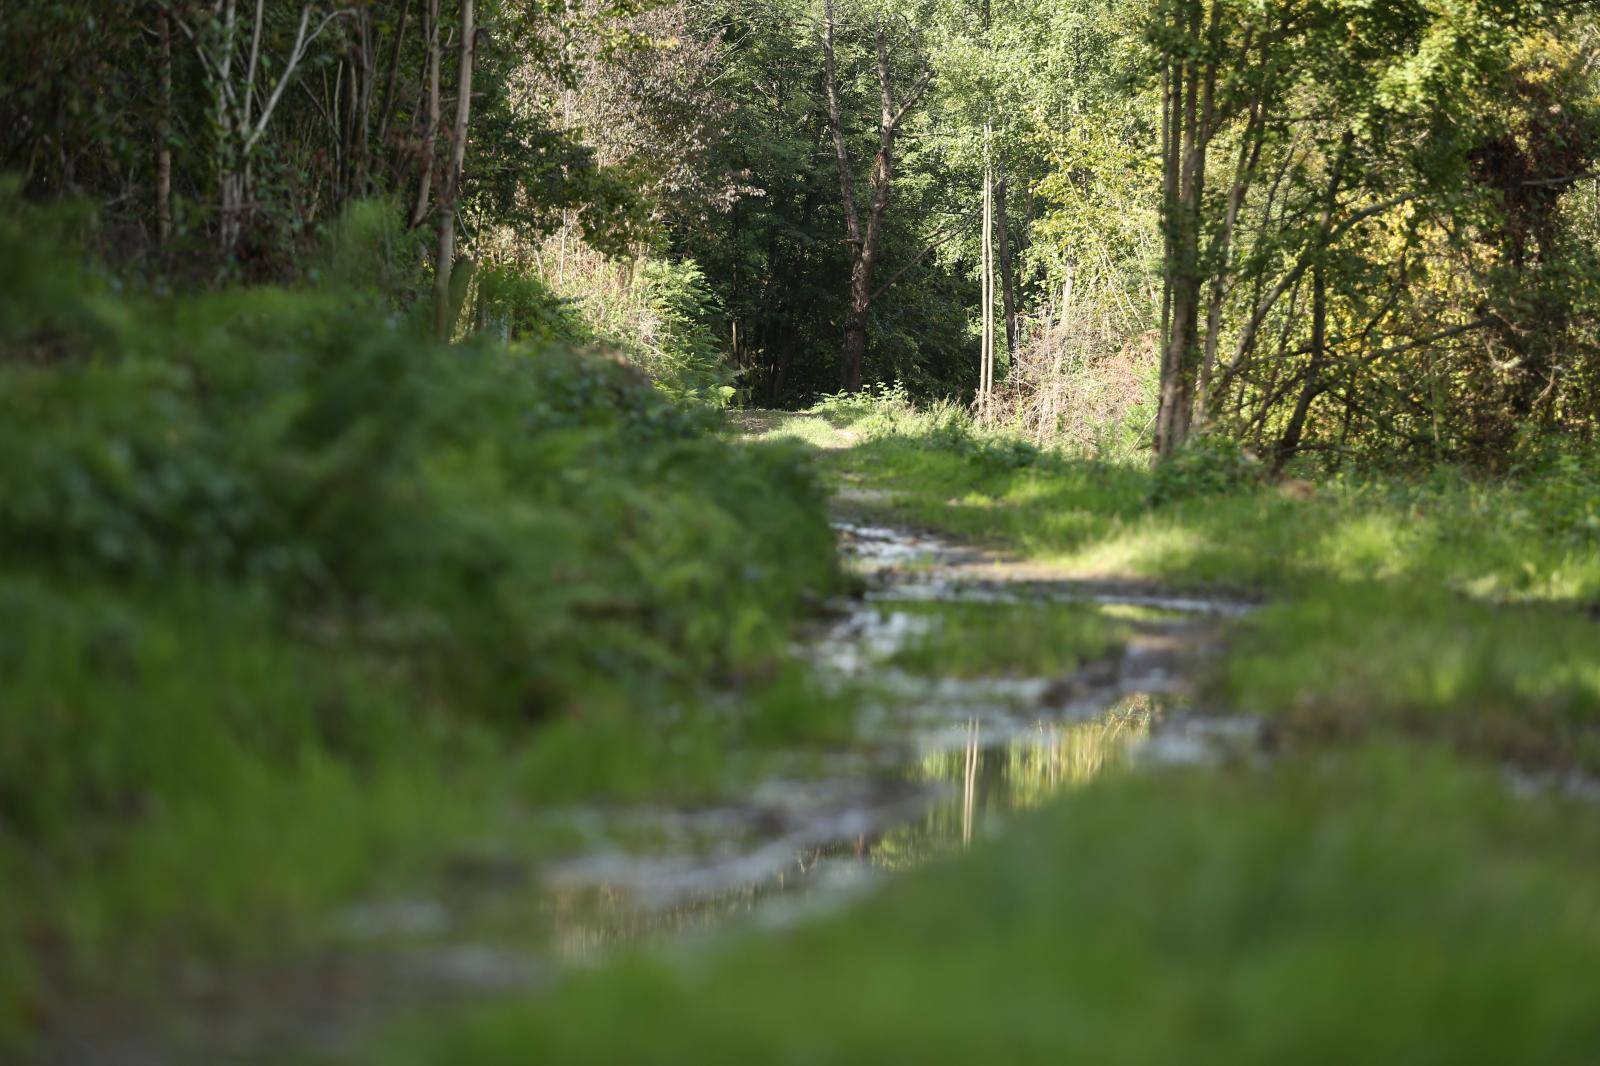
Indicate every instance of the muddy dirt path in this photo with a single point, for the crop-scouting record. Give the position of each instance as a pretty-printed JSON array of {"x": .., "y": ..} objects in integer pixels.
[{"x": 941, "y": 761}]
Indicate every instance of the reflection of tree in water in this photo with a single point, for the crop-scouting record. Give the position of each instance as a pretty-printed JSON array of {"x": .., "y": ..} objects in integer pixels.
[
  {"x": 999, "y": 779},
  {"x": 1017, "y": 776}
]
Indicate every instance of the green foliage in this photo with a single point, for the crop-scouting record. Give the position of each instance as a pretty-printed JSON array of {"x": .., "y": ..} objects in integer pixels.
[
  {"x": 271, "y": 556},
  {"x": 1492, "y": 538},
  {"x": 678, "y": 348},
  {"x": 1185, "y": 916},
  {"x": 433, "y": 491},
  {"x": 1513, "y": 684},
  {"x": 369, "y": 249},
  {"x": 518, "y": 304},
  {"x": 63, "y": 309},
  {"x": 886, "y": 411},
  {"x": 1208, "y": 465}
]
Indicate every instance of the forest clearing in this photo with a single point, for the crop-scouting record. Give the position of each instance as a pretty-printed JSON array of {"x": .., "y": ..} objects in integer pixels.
[{"x": 818, "y": 531}]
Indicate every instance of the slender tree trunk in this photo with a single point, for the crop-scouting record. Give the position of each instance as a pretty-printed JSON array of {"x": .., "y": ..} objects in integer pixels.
[
  {"x": 865, "y": 240},
  {"x": 443, "y": 303},
  {"x": 1221, "y": 256},
  {"x": 430, "y": 131},
  {"x": 350, "y": 105},
  {"x": 391, "y": 78},
  {"x": 1294, "y": 432},
  {"x": 164, "y": 133},
  {"x": 1183, "y": 275},
  {"x": 986, "y": 270},
  {"x": 1008, "y": 278},
  {"x": 1193, "y": 83},
  {"x": 362, "y": 149}
]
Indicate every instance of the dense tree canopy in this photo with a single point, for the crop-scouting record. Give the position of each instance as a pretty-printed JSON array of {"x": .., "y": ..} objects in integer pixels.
[{"x": 1312, "y": 225}]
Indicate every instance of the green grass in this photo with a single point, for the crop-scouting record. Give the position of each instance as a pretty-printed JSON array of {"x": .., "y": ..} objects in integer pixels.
[
  {"x": 1435, "y": 604},
  {"x": 296, "y": 599},
  {"x": 1512, "y": 683},
  {"x": 1530, "y": 538},
  {"x": 1379, "y": 906},
  {"x": 1367, "y": 895},
  {"x": 1019, "y": 640}
]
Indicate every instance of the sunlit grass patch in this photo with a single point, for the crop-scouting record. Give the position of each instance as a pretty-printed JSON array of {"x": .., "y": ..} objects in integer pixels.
[
  {"x": 1006, "y": 639},
  {"x": 1519, "y": 683},
  {"x": 1509, "y": 540},
  {"x": 811, "y": 430},
  {"x": 1144, "y": 549}
]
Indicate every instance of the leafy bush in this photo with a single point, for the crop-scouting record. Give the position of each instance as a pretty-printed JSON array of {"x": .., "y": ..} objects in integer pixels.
[
  {"x": 265, "y": 550},
  {"x": 369, "y": 249},
  {"x": 518, "y": 305},
  {"x": 677, "y": 347},
  {"x": 1208, "y": 465},
  {"x": 286, "y": 439}
]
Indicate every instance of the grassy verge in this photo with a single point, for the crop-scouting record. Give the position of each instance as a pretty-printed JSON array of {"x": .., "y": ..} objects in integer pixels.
[
  {"x": 1209, "y": 521},
  {"x": 1387, "y": 906},
  {"x": 1361, "y": 898},
  {"x": 293, "y": 595},
  {"x": 1438, "y": 605},
  {"x": 1517, "y": 684}
]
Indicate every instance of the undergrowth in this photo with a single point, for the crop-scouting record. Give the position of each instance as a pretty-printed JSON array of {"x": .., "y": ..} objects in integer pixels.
[{"x": 291, "y": 593}]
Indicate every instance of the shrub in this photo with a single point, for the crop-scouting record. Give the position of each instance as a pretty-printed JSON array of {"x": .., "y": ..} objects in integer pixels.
[
  {"x": 1209, "y": 465},
  {"x": 264, "y": 546}
]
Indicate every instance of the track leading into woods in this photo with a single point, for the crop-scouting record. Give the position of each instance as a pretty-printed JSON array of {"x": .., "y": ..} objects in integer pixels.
[{"x": 941, "y": 761}]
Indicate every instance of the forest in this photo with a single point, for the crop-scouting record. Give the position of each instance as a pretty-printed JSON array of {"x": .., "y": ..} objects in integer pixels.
[{"x": 828, "y": 531}]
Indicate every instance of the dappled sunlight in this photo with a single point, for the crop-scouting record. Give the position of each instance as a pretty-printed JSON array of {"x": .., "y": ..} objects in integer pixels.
[
  {"x": 1367, "y": 545},
  {"x": 799, "y": 530},
  {"x": 1147, "y": 548},
  {"x": 811, "y": 430}
]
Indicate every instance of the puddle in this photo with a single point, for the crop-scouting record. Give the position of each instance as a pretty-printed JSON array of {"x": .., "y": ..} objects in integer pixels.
[{"x": 943, "y": 762}]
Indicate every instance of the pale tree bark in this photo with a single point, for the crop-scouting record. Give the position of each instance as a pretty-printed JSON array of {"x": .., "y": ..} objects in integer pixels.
[
  {"x": 240, "y": 126},
  {"x": 430, "y": 131},
  {"x": 986, "y": 270},
  {"x": 1192, "y": 84},
  {"x": 1003, "y": 253},
  {"x": 864, "y": 238},
  {"x": 449, "y": 193}
]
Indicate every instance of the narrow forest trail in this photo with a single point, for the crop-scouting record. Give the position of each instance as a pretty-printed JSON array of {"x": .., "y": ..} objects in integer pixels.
[{"x": 984, "y": 685}]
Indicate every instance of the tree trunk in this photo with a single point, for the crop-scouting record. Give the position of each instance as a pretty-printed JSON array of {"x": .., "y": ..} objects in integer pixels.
[
  {"x": 362, "y": 112},
  {"x": 855, "y": 345},
  {"x": 1192, "y": 85},
  {"x": 1180, "y": 355},
  {"x": 430, "y": 132},
  {"x": 443, "y": 304},
  {"x": 1008, "y": 279},
  {"x": 865, "y": 241},
  {"x": 164, "y": 134},
  {"x": 391, "y": 77},
  {"x": 986, "y": 289},
  {"x": 1294, "y": 432}
]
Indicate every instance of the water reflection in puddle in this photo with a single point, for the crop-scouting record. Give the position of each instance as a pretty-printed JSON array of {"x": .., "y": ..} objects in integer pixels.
[
  {"x": 947, "y": 799},
  {"x": 953, "y": 757},
  {"x": 944, "y": 759}
]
